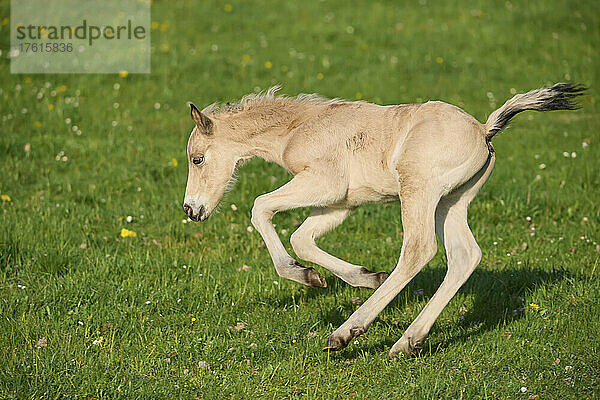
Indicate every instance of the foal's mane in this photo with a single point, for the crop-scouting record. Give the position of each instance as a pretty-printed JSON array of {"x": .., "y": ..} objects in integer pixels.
[{"x": 252, "y": 99}]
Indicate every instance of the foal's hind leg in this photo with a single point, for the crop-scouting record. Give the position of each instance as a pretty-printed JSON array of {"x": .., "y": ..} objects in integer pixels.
[
  {"x": 418, "y": 248},
  {"x": 463, "y": 256},
  {"x": 319, "y": 222}
]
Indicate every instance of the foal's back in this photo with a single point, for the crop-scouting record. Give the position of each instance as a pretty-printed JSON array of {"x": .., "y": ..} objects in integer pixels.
[{"x": 366, "y": 142}]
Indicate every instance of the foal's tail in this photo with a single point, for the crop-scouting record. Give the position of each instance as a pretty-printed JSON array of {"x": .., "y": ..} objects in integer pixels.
[{"x": 558, "y": 97}]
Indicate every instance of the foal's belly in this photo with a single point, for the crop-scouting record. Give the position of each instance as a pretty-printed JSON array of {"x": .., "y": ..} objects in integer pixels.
[
  {"x": 362, "y": 195},
  {"x": 378, "y": 189}
]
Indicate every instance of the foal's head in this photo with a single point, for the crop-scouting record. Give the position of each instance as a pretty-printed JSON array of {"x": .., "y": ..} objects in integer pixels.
[{"x": 212, "y": 159}]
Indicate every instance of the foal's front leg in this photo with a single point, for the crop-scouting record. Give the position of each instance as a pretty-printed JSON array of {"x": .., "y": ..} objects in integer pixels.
[
  {"x": 304, "y": 190},
  {"x": 319, "y": 222}
]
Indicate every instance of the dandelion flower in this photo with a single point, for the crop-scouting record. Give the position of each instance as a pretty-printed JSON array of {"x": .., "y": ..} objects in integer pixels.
[
  {"x": 123, "y": 74},
  {"x": 37, "y": 124},
  {"x": 320, "y": 76},
  {"x": 228, "y": 8},
  {"x": 127, "y": 233},
  {"x": 174, "y": 162},
  {"x": 5, "y": 197},
  {"x": 268, "y": 65},
  {"x": 534, "y": 306}
]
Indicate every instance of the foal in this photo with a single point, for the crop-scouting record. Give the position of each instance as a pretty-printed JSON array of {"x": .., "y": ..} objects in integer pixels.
[{"x": 434, "y": 157}]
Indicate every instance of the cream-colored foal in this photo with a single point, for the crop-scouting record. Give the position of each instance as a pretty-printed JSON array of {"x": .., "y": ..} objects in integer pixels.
[{"x": 434, "y": 157}]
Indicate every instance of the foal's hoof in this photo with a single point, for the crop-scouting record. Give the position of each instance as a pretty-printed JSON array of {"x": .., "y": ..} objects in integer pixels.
[
  {"x": 314, "y": 278},
  {"x": 406, "y": 347},
  {"x": 341, "y": 337},
  {"x": 299, "y": 273},
  {"x": 334, "y": 344},
  {"x": 381, "y": 277},
  {"x": 372, "y": 279}
]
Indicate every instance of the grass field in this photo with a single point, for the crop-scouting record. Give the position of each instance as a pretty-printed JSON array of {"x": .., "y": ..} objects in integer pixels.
[{"x": 171, "y": 313}]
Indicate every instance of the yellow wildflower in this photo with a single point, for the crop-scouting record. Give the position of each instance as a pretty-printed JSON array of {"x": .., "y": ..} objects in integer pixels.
[
  {"x": 268, "y": 65},
  {"x": 5, "y": 21},
  {"x": 174, "y": 162},
  {"x": 228, "y": 8},
  {"x": 50, "y": 107},
  {"x": 123, "y": 74},
  {"x": 439, "y": 60},
  {"x": 284, "y": 68},
  {"x": 28, "y": 80},
  {"x": 193, "y": 319},
  {"x": 246, "y": 58},
  {"x": 127, "y": 233},
  {"x": 534, "y": 306},
  {"x": 320, "y": 76},
  {"x": 154, "y": 25},
  {"x": 5, "y": 197},
  {"x": 62, "y": 88},
  {"x": 358, "y": 96},
  {"x": 37, "y": 124},
  {"x": 164, "y": 27}
]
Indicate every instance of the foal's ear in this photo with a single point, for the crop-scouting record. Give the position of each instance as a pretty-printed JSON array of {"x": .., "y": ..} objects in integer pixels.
[{"x": 202, "y": 121}]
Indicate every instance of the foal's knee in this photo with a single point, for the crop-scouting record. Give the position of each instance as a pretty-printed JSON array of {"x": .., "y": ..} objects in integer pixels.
[
  {"x": 462, "y": 260},
  {"x": 302, "y": 242},
  {"x": 465, "y": 256},
  {"x": 259, "y": 212}
]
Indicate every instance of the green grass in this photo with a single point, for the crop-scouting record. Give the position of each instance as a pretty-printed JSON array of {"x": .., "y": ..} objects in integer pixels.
[{"x": 67, "y": 276}]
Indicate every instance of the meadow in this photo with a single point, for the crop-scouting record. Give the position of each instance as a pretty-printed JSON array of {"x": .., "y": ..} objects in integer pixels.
[{"x": 196, "y": 310}]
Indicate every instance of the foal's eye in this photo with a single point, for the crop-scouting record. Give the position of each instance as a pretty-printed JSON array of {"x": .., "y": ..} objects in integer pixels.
[{"x": 198, "y": 160}]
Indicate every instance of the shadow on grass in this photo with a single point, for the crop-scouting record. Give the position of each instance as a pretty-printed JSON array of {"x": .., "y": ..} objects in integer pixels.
[{"x": 496, "y": 294}]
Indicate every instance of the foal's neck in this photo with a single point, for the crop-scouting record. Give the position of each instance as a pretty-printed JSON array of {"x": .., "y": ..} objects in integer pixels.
[{"x": 262, "y": 128}]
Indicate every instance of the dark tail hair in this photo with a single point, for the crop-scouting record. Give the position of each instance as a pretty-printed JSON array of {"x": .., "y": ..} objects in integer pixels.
[{"x": 558, "y": 97}]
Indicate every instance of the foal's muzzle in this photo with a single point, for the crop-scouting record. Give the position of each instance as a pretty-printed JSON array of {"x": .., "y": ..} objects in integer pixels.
[{"x": 189, "y": 211}]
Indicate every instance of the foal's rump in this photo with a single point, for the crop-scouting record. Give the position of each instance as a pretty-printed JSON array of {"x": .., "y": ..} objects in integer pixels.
[{"x": 444, "y": 146}]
